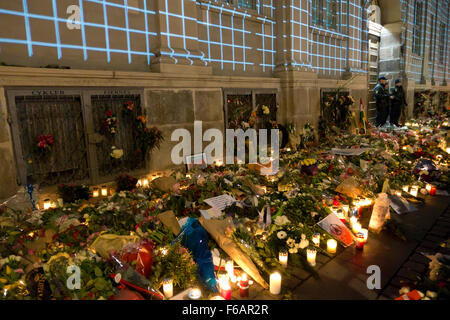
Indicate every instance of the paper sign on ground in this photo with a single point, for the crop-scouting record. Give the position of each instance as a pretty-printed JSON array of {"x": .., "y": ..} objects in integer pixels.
[
  {"x": 220, "y": 202},
  {"x": 212, "y": 213},
  {"x": 334, "y": 226}
]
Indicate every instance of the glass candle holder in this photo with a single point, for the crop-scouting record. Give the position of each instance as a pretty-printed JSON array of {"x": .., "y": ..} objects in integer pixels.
[
  {"x": 168, "y": 288},
  {"x": 195, "y": 294},
  {"x": 283, "y": 257},
  {"x": 316, "y": 239},
  {"x": 244, "y": 286},
  {"x": 104, "y": 191},
  {"x": 275, "y": 283},
  {"x": 311, "y": 255},
  {"x": 360, "y": 241},
  {"x": 95, "y": 193},
  {"x": 356, "y": 227},
  {"x": 332, "y": 246},
  {"x": 47, "y": 204},
  {"x": 365, "y": 233}
]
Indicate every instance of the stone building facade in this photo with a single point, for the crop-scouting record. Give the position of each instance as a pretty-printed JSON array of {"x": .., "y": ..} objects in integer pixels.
[{"x": 183, "y": 57}]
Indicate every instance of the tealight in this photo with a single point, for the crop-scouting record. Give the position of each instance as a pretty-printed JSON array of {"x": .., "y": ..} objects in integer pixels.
[
  {"x": 168, "y": 288},
  {"x": 283, "y": 258},
  {"x": 316, "y": 239},
  {"x": 104, "y": 191},
  {"x": 311, "y": 255},
  {"x": 95, "y": 193},
  {"x": 195, "y": 294},
  {"x": 332, "y": 246},
  {"x": 275, "y": 283}
]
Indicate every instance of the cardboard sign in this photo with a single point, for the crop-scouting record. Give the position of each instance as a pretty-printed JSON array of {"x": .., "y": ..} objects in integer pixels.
[{"x": 334, "y": 226}]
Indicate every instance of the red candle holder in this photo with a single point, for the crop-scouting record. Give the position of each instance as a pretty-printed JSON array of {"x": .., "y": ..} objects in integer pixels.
[
  {"x": 244, "y": 288},
  {"x": 433, "y": 191},
  {"x": 360, "y": 241},
  {"x": 226, "y": 293}
]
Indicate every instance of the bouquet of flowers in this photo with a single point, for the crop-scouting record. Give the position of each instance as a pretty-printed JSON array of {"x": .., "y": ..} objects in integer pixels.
[
  {"x": 110, "y": 123},
  {"x": 44, "y": 144}
]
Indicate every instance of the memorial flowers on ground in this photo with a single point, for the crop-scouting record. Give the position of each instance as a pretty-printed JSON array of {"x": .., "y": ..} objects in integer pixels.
[{"x": 130, "y": 239}]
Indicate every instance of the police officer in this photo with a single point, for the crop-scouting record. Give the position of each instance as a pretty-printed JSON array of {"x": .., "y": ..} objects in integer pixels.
[
  {"x": 398, "y": 102},
  {"x": 382, "y": 99}
]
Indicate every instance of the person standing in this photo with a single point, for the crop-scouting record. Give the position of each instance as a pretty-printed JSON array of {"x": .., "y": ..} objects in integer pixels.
[
  {"x": 382, "y": 100},
  {"x": 398, "y": 102}
]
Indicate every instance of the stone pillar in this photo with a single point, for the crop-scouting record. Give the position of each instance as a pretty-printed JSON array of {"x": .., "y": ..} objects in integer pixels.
[
  {"x": 8, "y": 184},
  {"x": 178, "y": 49}
]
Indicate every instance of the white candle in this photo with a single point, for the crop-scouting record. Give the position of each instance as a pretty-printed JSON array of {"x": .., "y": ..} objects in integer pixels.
[
  {"x": 283, "y": 257},
  {"x": 316, "y": 239},
  {"x": 353, "y": 220},
  {"x": 96, "y": 194},
  {"x": 356, "y": 227},
  {"x": 168, "y": 288},
  {"x": 428, "y": 188},
  {"x": 332, "y": 246},
  {"x": 275, "y": 283},
  {"x": 414, "y": 191},
  {"x": 365, "y": 232},
  {"x": 311, "y": 256},
  {"x": 104, "y": 191}
]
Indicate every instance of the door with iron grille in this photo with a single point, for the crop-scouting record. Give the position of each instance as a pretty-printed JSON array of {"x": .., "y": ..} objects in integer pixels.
[
  {"x": 60, "y": 136},
  {"x": 49, "y": 136}
]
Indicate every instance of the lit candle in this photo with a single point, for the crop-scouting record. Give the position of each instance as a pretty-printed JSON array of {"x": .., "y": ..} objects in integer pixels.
[
  {"x": 225, "y": 289},
  {"x": 275, "y": 283},
  {"x": 95, "y": 193},
  {"x": 47, "y": 204},
  {"x": 168, "y": 288},
  {"x": 104, "y": 191},
  {"x": 398, "y": 193},
  {"x": 283, "y": 257},
  {"x": 406, "y": 188},
  {"x": 229, "y": 267},
  {"x": 145, "y": 183},
  {"x": 139, "y": 183},
  {"x": 414, "y": 191},
  {"x": 195, "y": 294},
  {"x": 217, "y": 298},
  {"x": 428, "y": 187},
  {"x": 311, "y": 255},
  {"x": 316, "y": 239},
  {"x": 353, "y": 220},
  {"x": 244, "y": 287},
  {"x": 365, "y": 233},
  {"x": 332, "y": 246},
  {"x": 346, "y": 209},
  {"x": 356, "y": 227},
  {"x": 433, "y": 191},
  {"x": 288, "y": 149},
  {"x": 360, "y": 241},
  {"x": 447, "y": 150},
  {"x": 219, "y": 163}
]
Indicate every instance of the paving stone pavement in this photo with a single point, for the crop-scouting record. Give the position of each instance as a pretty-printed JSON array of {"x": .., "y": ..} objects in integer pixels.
[{"x": 344, "y": 277}]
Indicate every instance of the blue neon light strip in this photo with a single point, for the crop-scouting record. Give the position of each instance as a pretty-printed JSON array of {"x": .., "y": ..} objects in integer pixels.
[
  {"x": 58, "y": 40},
  {"x": 27, "y": 28}
]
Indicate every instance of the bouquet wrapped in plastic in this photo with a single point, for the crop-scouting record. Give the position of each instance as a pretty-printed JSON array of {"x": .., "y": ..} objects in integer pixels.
[{"x": 195, "y": 238}]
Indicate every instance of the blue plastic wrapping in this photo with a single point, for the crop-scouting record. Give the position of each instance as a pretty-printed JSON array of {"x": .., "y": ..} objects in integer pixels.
[{"x": 195, "y": 238}]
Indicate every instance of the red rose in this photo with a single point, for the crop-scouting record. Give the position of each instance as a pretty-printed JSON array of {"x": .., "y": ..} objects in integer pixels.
[{"x": 109, "y": 113}]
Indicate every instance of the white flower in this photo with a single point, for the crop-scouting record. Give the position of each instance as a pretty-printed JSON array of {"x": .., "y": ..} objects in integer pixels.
[
  {"x": 282, "y": 235},
  {"x": 290, "y": 242},
  {"x": 281, "y": 220}
]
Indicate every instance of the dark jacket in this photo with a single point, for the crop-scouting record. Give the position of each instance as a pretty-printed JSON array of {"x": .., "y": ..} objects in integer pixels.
[
  {"x": 381, "y": 95},
  {"x": 399, "y": 97}
]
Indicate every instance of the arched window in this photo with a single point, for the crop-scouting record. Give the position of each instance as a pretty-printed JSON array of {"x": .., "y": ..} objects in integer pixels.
[{"x": 417, "y": 30}]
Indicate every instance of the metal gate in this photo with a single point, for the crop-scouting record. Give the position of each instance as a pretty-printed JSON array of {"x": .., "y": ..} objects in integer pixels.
[{"x": 73, "y": 118}]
